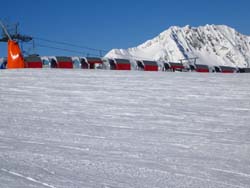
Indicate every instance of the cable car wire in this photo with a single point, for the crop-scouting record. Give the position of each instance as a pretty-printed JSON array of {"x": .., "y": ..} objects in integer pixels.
[
  {"x": 70, "y": 44},
  {"x": 78, "y": 46},
  {"x": 65, "y": 49}
]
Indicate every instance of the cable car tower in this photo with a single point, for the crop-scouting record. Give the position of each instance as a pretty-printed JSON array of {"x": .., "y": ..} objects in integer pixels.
[
  {"x": 8, "y": 33},
  {"x": 190, "y": 63},
  {"x": 14, "y": 57}
]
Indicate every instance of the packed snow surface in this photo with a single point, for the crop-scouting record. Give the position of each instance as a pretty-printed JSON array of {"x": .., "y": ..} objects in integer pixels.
[{"x": 112, "y": 129}]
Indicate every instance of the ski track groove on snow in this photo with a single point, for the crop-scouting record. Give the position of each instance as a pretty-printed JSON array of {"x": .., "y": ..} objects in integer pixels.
[{"x": 27, "y": 178}]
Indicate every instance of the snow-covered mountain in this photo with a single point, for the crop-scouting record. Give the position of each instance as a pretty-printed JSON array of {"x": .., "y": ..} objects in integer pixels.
[{"x": 212, "y": 44}]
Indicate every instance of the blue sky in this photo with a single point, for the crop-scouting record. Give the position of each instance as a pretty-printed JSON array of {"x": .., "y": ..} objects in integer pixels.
[{"x": 107, "y": 24}]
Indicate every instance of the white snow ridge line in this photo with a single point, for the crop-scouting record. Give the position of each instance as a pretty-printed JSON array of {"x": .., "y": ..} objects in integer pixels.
[
  {"x": 27, "y": 178},
  {"x": 232, "y": 172}
]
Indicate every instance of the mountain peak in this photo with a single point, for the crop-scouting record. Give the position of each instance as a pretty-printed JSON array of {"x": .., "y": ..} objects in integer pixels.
[{"x": 212, "y": 44}]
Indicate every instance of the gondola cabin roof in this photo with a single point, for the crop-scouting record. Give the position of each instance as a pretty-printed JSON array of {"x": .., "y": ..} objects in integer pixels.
[
  {"x": 63, "y": 59},
  {"x": 227, "y": 69},
  {"x": 176, "y": 64},
  {"x": 122, "y": 61},
  {"x": 151, "y": 63},
  {"x": 96, "y": 59},
  {"x": 32, "y": 59},
  {"x": 201, "y": 66}
]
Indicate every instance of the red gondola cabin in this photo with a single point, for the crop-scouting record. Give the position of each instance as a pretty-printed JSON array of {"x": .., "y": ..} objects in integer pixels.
[
  {"x": 33, "y": 61},
  {"x": 63, "y": 62},
  {"x": 94, "y": 62},
  {"x": 201, "y": 68},
  {"x": 150, "y": 66},
  {"x": 147, "y": 65},
  {"x": 227, "y": 69},
  {"x": 175, "y": 66},
  {"x": 122, "y": 64}
]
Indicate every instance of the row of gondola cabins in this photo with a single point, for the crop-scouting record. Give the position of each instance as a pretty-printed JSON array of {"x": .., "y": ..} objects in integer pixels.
[{"x": 121, "y": 64}]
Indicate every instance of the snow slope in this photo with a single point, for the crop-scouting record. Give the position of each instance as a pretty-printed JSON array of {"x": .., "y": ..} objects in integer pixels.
[
  {"x": 212, "y": 44},
  {"x": 112, "y": 129}
]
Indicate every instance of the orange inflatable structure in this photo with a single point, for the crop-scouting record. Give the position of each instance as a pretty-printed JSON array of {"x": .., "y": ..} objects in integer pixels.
[{"x": 15, "y": 57}]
